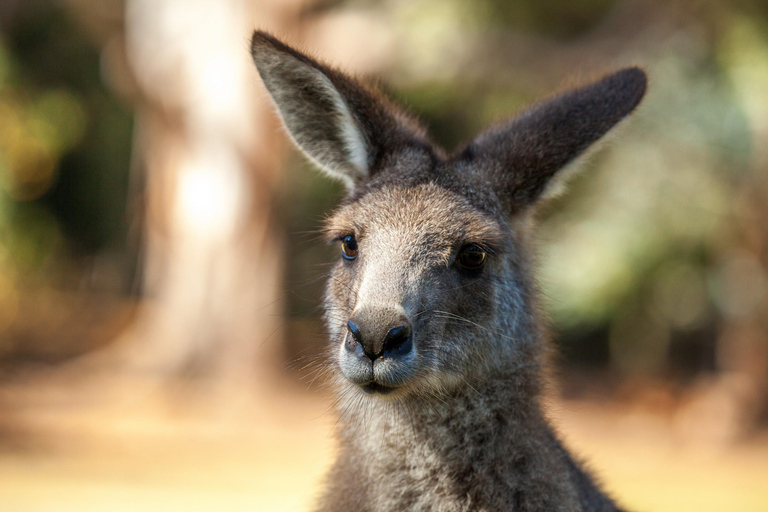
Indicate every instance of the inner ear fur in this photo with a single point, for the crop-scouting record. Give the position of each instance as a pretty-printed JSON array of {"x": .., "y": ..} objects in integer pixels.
[
  {"x": 342, "y": 125},
  {"x": 522, "y": 155}
]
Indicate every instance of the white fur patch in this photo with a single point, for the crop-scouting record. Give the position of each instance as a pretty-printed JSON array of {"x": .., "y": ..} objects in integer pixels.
[{"x": 354, "y": 140}]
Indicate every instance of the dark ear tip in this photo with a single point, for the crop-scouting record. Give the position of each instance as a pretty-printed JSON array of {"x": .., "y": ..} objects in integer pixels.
[
  {"x": 633, "y": 81},
  {"x": 263, "y": 42},
  {"x": 259, "y": 39},
  {"x": 267, "y": 51},
  {"x": 636, "y": 75}
]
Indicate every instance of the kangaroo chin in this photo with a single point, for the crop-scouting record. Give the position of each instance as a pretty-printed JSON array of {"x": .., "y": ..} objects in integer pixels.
[{"x": 436, "y": 338}]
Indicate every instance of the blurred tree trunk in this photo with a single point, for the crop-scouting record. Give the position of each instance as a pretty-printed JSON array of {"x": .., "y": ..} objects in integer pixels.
[
  {"x": 212, "y": 267},
  {"x": 207, "y": 156}
]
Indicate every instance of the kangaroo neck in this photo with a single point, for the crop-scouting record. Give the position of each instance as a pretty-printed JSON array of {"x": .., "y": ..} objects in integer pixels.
[{"x": 443, "y": 450}]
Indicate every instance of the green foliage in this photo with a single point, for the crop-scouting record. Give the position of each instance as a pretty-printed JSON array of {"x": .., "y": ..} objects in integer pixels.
[{"x": 64, "y": 145}]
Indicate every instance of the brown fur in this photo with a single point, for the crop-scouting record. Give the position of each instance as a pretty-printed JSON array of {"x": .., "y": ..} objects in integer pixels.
[{"x": 452, "y": 420}]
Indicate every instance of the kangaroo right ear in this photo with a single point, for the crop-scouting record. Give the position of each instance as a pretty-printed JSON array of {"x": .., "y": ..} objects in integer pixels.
[
  {"x": 342, "y": 126},
  {"x": 522, "y": 156}
]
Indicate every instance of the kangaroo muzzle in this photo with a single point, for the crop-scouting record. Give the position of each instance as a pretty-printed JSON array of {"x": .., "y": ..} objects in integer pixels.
[{"x": 378, "y": 351}]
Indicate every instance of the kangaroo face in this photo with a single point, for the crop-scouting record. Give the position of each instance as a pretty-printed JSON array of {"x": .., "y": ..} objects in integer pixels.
[
  {"x": 430, "y": 287},
  {"x": 415, "y": 265}
]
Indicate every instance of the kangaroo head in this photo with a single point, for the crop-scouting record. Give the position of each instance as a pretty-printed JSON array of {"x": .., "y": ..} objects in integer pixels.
[{"x": 432, "y": 287}]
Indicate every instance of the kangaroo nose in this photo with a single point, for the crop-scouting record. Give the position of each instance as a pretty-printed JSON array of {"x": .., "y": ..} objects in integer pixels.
[{"x": 367, "y": 339}]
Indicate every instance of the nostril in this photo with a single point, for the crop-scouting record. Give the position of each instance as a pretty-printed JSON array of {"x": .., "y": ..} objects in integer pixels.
[
  {"x": 355, "y": 330},
  {"x": 396, "y": 334},
  {"x": 353, "y": 342},
  {"x": 397, "y": 342}
]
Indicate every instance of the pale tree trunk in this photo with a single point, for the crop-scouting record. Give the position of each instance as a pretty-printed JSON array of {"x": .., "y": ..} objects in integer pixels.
[
  {"x": 207, "y": 156},
  {"x": 211, "y": 152}
]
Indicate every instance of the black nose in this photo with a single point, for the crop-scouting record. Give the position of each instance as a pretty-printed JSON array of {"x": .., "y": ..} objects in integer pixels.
[{"x": 367, "y": 340}]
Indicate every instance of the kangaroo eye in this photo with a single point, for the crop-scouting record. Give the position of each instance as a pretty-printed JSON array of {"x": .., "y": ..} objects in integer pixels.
[
  {"x": 349, "y": 247},
  {"x": 472, "y": 257}
]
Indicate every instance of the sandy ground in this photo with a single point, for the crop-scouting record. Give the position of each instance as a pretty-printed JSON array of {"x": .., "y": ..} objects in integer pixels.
[{"x": 137, "y": 451}]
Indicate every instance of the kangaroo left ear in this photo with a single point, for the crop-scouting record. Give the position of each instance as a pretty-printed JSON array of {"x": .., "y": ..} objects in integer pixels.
[
  {"x": 343, "y": 126},
  {"x": 522, "y": 155}
]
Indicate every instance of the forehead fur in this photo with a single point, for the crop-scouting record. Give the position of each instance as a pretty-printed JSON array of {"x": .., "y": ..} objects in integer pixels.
[{"x": 424, "y": 213}]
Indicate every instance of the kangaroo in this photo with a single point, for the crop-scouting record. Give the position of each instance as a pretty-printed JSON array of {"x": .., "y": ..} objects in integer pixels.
[{"x": 437, "y": 344}]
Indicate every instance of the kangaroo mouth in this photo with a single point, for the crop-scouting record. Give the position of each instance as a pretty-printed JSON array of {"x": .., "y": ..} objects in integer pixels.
[{"x": 373, "y": 388}]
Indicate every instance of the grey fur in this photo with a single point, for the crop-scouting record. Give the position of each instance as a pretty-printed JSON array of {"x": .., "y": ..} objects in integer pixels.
[{"x": 462, "y": 428}]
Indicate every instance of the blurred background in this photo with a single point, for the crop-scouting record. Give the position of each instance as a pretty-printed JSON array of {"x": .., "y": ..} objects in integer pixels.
[{"x": 160, "y": 272}]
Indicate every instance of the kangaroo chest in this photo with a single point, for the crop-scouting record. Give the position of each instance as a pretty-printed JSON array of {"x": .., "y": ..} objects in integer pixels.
[{"x": 483, "y": 463}]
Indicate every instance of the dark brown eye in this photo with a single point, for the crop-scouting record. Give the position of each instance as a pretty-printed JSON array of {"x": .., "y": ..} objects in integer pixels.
[
  {"x": 472, "y": 257},
  {"x": 349, "y": 247}
]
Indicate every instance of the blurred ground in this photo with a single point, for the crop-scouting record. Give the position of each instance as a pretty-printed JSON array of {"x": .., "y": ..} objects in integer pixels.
[{"x": 131, "y": 447}]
